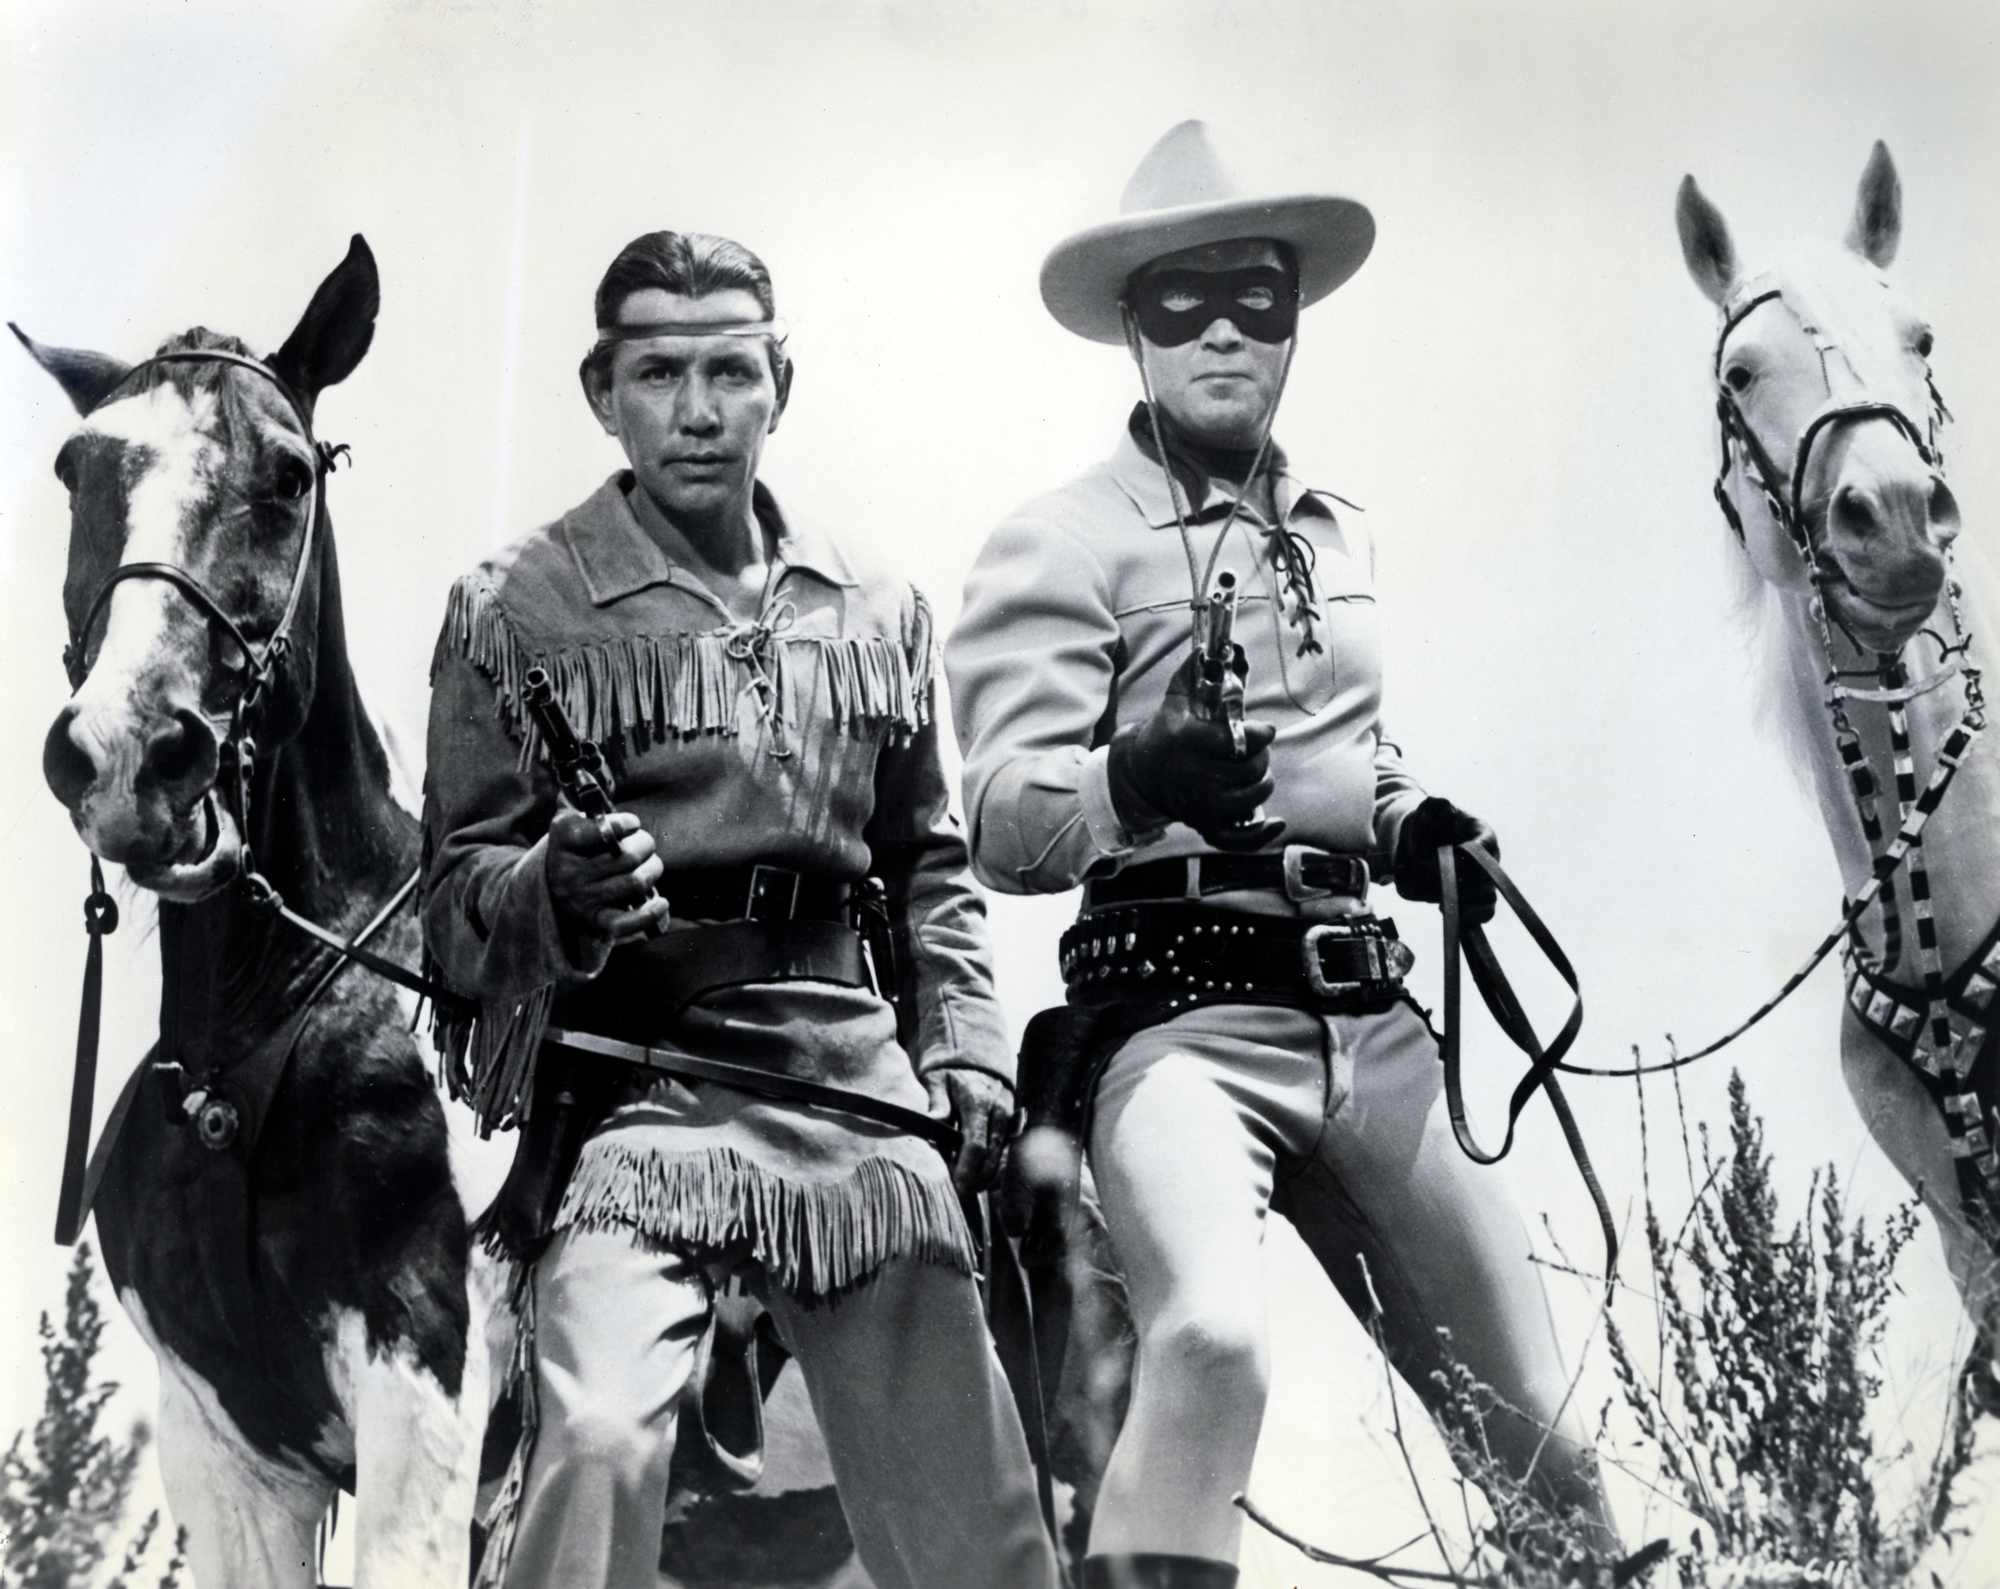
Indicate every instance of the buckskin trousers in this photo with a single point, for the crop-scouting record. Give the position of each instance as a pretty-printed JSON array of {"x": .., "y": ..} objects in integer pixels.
[
  {"x": 926, "y": 1447},
  {"x": 1207, "y": 1122}
]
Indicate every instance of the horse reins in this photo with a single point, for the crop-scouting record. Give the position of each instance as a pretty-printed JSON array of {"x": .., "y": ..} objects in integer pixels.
[
  {"x": 237, "y": 749},
  {"x": 1466, "y": 940}
]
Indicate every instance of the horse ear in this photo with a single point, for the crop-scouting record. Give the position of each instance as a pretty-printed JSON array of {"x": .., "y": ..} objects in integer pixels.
[
  {"x": 87, "y": 377},
  {"x": 1705, "y": 244},
  {"x": 336, "y": 328},
  {"x": 1877, "y": 226}
]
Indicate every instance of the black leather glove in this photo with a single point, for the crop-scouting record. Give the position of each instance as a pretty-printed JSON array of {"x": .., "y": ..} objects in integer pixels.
[
  {"x": 1179, "y": 767},
  {"x": 1433, "y": 824}
]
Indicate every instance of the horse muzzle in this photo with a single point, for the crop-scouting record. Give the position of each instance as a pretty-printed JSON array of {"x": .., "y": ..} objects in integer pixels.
[
  {"x": 1884, "y": 541},
  {"x": 1886, "y": 612},
  {"x": 143, "y": 795}
]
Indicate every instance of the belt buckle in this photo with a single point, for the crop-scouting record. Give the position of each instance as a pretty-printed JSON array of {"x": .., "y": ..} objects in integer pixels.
[
  {"x": 1297, "y": 889},
  {"x": 1310, "y": 963},
  {"x": 757, "y": 904}
]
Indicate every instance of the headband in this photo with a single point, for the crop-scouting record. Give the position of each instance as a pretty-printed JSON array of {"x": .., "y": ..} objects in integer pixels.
[{"x": 774, "y": 329}]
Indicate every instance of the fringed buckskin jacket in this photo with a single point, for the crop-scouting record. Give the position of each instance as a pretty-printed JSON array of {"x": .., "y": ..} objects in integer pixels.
[{"x": 804, "y": 740}]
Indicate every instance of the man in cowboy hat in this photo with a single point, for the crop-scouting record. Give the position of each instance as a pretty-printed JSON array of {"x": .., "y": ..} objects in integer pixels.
[
  {"x": 1257, "y": 1051},
  {"x": 752, "y": 1118}
]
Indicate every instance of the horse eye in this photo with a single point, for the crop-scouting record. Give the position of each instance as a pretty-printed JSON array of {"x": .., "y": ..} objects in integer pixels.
[
  {"x": 1738, "y": 377},
  {"x": 293, "y": 482},
  {"x": 66, "y": 469},
  {"x": 1925, "y": 342}
]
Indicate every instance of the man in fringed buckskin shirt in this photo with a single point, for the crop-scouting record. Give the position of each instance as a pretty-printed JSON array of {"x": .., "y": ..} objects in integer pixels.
[
  {"x": 765, "y": 704},
  {"x": 1256, "y": 1050}
]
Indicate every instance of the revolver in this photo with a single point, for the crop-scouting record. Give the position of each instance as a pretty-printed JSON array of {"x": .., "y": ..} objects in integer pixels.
[
  {"x": 578, "y": 763},
  {"x": 1218, "y": 685},
  {"x": 1220, "y": 670}
]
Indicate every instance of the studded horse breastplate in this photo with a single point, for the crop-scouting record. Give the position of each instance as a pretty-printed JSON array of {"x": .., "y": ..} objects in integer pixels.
[{"x": 1950, "y": 1036}]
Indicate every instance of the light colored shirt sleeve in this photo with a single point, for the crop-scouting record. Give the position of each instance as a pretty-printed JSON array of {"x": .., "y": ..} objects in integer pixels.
[
  {"x": 1033, "y": 662},
  {"x": 1397, "y": 794}
]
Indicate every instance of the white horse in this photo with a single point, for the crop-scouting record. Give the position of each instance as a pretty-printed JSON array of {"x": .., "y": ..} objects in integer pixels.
[{"x": 1834, "y": 485}]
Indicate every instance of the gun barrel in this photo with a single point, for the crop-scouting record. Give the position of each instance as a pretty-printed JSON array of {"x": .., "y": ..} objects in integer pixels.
[
  {"x": 577, "y": 763},
  {"x": 538, "y": 695},
  {"x": 1220, "y": 633}
]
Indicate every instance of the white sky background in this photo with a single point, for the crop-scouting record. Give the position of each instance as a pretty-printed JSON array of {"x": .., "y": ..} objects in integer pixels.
[{"x": 1516, "y": 386}]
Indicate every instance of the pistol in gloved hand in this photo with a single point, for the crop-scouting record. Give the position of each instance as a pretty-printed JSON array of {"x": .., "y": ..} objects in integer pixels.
[{"x": 1197, "y": 760}]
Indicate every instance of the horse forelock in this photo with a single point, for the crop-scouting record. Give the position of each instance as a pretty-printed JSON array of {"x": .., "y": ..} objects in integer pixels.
[
  {"x": 193, "y": 440},
  {"x": 1848, "y": 302}
]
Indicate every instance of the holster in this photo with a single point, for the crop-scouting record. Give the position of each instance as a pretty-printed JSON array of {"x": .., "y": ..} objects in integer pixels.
[
  {"x": 1062, "y": 1052},
  {"x": 569, "y": 1101}
]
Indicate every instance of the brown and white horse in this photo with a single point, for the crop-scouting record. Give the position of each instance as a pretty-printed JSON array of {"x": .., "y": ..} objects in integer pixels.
[
  {"x": 277, "y": 1210},
  {"x": 1833, "y": 482}
]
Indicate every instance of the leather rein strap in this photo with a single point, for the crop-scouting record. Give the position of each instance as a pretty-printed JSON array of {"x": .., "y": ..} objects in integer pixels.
[{"x": 1467, "y": 940}]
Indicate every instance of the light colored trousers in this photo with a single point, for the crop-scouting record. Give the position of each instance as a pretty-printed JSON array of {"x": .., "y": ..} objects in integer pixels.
[
  {"x": 925, "y": 1444},
  {"x": 1204, "y": 1124}
]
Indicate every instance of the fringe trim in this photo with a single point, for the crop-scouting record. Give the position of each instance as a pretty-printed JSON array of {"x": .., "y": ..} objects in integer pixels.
[
  {"x": 814, "y": 1239},
  {"x": 638, "y": 690},
  {"x": 927, "y": 660},
  {"x": 489, "y": 1059}
]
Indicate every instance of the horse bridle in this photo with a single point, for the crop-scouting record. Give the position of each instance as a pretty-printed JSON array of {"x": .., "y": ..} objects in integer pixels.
[
  {"x": 1787, "y": 505},
  {"x": 214, "y": 1119},
  {"x": 261, "y": 663}
]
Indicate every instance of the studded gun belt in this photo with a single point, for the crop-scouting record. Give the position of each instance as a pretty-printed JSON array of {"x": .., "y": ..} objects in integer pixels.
[{"x": 1177, "y": 954}]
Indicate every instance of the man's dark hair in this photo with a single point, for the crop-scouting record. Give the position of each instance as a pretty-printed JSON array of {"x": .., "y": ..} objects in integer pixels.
[{"x": 690, "y": 265}]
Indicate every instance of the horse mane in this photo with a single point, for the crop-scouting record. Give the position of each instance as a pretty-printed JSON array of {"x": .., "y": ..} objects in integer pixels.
[{"x": 1778, "y": 708}]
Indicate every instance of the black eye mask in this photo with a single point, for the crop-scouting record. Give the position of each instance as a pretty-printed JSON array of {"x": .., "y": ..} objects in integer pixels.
[{"x": 1202, "y": 297}]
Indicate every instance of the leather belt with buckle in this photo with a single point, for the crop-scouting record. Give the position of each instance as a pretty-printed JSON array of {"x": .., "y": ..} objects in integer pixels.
[
  {"x": 755, "y": 893},
  {"x": 1299, "y": 872}
]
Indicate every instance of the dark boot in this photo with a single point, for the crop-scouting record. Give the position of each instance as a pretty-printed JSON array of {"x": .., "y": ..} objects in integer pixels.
[{"x": 1149, "y": 1571}]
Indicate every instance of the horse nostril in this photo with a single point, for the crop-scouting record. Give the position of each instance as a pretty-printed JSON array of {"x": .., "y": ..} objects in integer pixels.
[
  {"x": 1853, "y": 513},
  {"x": 68, "y": 767},
  {"x": 180, "y": 757},
  {"x": 1943, "y": 514}
]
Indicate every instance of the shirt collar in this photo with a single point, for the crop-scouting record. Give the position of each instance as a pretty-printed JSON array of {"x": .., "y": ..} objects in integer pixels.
[
  {"x": 1145, "y": 482},
  {"x": 615, "y": 557}
]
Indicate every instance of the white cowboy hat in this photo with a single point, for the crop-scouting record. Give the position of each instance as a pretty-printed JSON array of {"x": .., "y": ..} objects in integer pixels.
[{"x": 1185, "y": 195}]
